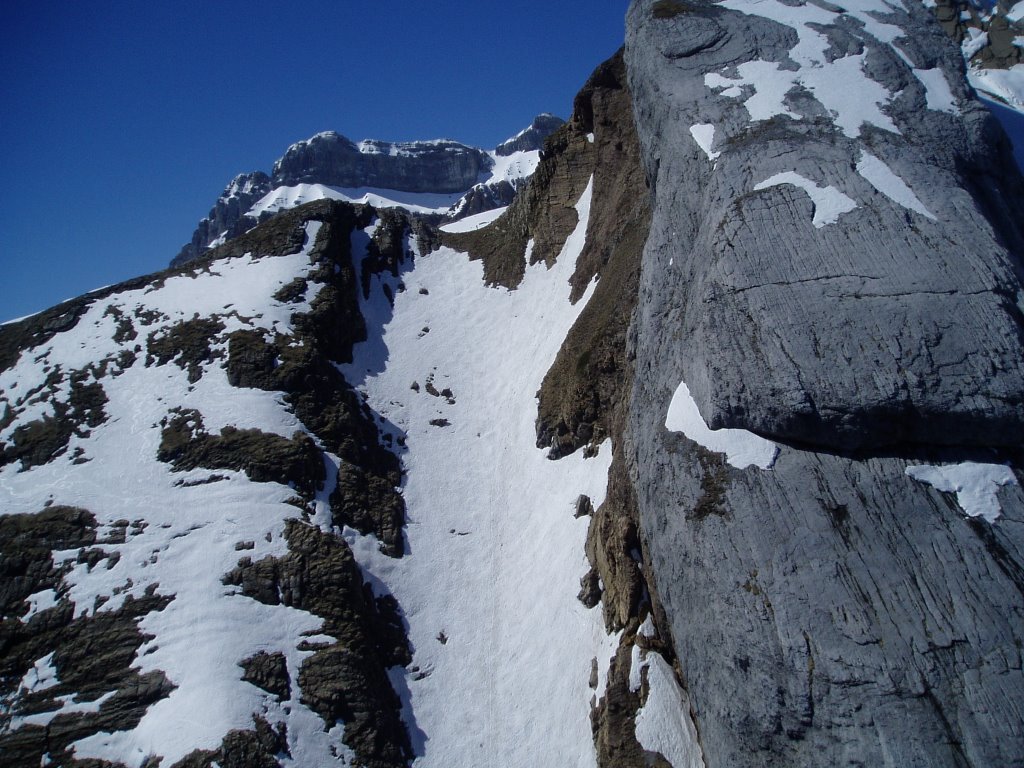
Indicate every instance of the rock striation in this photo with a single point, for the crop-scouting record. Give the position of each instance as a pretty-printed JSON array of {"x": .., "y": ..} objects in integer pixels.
[
  {"x": 796, "y": 229},
  {"x": 847, "y": 282}
]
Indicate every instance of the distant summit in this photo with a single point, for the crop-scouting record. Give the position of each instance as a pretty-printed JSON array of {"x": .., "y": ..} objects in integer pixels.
[
  {"x": 533, "y": 137},
  {"x": 441, "y": 176},
  {"x": 416, "y": 166}
]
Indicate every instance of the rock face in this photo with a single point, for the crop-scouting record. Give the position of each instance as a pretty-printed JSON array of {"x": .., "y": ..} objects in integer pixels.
[
  {"x": 439, "y": 167},
  {"x": 225, "y": 218},
  {"x": 419, "y": 166},
  {"x": 797, "y": 228},
  {"x": 797, "y": 210},
  {"x": 532, "y": 137},
  {"x": 842, "y": 275}
]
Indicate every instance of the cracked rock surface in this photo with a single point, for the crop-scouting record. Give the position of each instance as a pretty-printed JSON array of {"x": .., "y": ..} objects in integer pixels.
[
  {"x": 830, "y": 610},
  {"x": 805, "y": 236}
]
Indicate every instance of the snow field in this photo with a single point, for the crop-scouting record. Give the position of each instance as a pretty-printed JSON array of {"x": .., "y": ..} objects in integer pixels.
[
  {"x": 502, "y": 647},
  {"x": 1005, "y": 84},
  {"x": 881, "y": 177},
  {"x": 188, "y": 541}
]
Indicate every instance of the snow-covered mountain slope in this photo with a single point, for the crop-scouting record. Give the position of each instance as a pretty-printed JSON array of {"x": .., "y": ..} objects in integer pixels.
[
  {"x": 188, "y": 431},
  {"x": 441, "y": 177}
]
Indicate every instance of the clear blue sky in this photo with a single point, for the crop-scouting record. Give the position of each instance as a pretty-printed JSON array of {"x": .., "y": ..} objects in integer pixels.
[{"x": 121, "y": 122}]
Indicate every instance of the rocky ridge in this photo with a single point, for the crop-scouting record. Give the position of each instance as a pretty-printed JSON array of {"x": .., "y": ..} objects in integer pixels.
[
  {"x": 434, "y": 168},
  {"x": 44, "y": 632},
  {"x": 819, "y": 602}
]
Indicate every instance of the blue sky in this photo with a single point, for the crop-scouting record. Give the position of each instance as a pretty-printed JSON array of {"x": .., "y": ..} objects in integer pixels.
[{"x": 121, "y": 122}]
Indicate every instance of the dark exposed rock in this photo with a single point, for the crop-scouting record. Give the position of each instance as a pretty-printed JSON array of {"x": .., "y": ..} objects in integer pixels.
[
  {"x": 485, "y": 197},
  {"x": 93, "y": 654},
  {"x": 590, "y": 589},
  {"x": 41, "y": 440},
  {"x": 544, "y": 211},
  {"x": 227, "y": 217},
  {"x": 584, "y": 386},
  {"x": 256, "y": 748},
  {"x": 186, "y": 343},
  {"x": 365, "y": 496},
  {"x": 613, "y": 717},
  {"x": 268, "y": 671},
  {"x": 263, "y": 456},
  {"x": 346, "y": 681},
  {"x": 369, "y": 503}
]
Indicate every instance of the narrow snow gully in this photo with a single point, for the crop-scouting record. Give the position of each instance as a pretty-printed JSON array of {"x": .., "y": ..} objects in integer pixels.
[{"x": 502, "y": 647}]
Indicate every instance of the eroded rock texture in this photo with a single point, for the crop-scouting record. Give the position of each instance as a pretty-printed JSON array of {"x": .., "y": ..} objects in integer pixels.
[
  {"x": 830, "y": 610},
  {"x": 912, "y": 222}
]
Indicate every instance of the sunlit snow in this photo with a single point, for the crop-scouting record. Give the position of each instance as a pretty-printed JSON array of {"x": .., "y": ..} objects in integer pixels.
[
  {"x": 848, "y": 95},
  {"x": 663, "y": 723},
  {"x": 189, "y": 539},
  {"x": 742, "y": 449},
  {"x": 503, "y": 648},
  {"x": 704, "y": 135},
  {"x": 882, "y": 178},
  {"x": 829, "y": 202},
  {"x": 474, "y": 222},
  {"x": 938, "y": 94},
  {"x": 1004, "y": 84},
  {"x": 976, "y": 485}
]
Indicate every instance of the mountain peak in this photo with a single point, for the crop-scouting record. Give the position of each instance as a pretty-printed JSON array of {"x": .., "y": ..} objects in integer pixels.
[{"x": 532, "y": 137}]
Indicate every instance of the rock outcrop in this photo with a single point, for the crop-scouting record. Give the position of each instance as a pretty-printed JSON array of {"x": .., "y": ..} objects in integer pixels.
[
  {"x": 439, "y": 168},
  {"x": 416, "y": 166},
  {"x": 792, "y": 220},
  {"x": 841, "y": 275},
  {"x": 224, "y": 220}
]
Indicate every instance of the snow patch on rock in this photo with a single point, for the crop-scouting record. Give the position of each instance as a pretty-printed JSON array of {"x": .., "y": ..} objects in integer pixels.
[
  {"x": 742, "y": 449},
  {"x": 704, "y": 135},
  {"x": 881, "y": 177},
  {"x": 976, "y": 485},
  {"x": 829, "y": 202},
  {"x": 663, "y": 723}
]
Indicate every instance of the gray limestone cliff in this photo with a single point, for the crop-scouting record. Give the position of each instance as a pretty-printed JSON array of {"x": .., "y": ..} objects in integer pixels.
[
  {"x": 843, "y": 198},
  {"x": 834, "y": 262}
]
